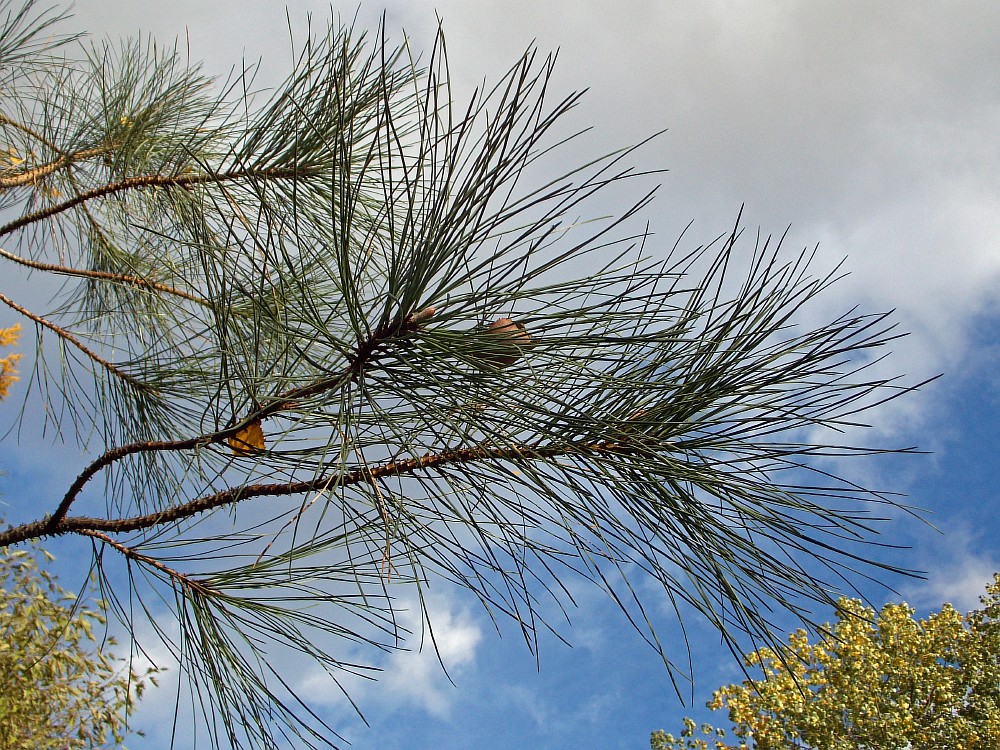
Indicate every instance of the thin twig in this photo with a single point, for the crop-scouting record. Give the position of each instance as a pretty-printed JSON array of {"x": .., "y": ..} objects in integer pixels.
[
  {"x": 144, "y": 181},
  {"x": 104, "y": 276},
  {"x": 4, "y": 120},
  {"x": 132, "y": 554},
  {"x": 115, "y": 454},
  {"x": 67, "y": 336}
]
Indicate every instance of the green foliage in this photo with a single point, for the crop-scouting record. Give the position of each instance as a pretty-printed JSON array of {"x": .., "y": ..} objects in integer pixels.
[
  {"x": 872, "y": 682},
  {"x": 60, "y": 689},
  {"x": 8, "y": 373},
  {"x": 326, "y": 346}
]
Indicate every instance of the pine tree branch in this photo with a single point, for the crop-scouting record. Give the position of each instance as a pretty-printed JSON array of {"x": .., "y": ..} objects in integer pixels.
[
  {"x": 69, "y": 337},
  {"x": 641, "y": 421},
  {"x": 31, "y": 176},
  {"x": 61, "y": 524},
  {"x": 119, "y": 278},
  {"x": 144, "y": 181}
]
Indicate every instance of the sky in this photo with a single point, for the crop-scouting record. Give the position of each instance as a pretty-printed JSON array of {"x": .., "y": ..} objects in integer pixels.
[{"x": 867, "y": 128}]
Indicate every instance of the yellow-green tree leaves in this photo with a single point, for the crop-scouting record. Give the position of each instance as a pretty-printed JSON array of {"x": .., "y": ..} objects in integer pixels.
[
  {"x": 7, "y": 372},
  {"x": 58, "y": 690},
  {"x": 874, "y": 682}
]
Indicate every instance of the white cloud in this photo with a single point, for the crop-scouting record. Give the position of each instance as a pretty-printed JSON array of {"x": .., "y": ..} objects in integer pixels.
[
  {"x": 550, "y": 715},
  {"x": 527, "y": 701},
  {"x": 447, "y": 637},
  {"x": 868, "y": 129},
  {"x": 411, "y": 678},
  {"x": 414, "y": 676},
  {"x": 956, "y": 574},
  {"x": 155, "y": 711}
]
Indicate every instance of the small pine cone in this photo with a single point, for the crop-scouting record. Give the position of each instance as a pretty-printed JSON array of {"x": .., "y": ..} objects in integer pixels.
[
  {"x": 424, "y": 315},
  {"x": 510, "y": 339}
]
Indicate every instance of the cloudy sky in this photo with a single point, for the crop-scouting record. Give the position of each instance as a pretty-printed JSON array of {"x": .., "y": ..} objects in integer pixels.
[{"x": 869, "y": 128}]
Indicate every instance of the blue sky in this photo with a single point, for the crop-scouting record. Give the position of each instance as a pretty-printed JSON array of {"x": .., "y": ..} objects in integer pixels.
[{"x": 869, "y": 127}]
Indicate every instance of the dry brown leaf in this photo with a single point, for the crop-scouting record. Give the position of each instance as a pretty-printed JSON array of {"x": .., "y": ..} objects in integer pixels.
[{"x": 248, "y": 440}]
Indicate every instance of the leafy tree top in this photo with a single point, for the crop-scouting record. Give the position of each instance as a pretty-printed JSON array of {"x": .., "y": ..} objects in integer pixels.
[
  {"x": 880, "y": 681},
  {"x": 60, "y": 689}
]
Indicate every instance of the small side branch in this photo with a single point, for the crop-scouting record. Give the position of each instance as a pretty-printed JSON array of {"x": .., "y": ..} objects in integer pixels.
[
  {"x": 119, "y": 278},
  {"x": 55, "y": 524},
  {"x": 281, "y": 402},
  {"x": 69, "y": 337},
  {"x": 144, "y": 181},
  {"x": 132, "y": 554},
  {"x": 4, "y": 120},
  {"x": 52, "y": 525}
]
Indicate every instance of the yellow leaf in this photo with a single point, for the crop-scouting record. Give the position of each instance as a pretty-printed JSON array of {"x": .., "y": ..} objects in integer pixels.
[
  {"x": 12, "y": 157},
  {"x": 9, "y": 335},
  {"x": 248, "y": 440}
]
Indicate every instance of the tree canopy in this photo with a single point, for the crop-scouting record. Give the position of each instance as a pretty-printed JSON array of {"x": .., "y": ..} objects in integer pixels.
[
  {"x": 881, "y": 681},
  {"x": 351, "y": 337},
  {"x": 59, "y": 688}
]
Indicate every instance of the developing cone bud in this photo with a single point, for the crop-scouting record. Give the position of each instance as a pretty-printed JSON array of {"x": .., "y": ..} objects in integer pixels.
[
  {"x": 424, "y": 315},
  {"x": 507, "y": 341}
]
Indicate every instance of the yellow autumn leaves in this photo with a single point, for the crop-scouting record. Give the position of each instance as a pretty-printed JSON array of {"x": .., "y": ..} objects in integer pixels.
[
  {"x": 249, "y": 440},
  {"x": 8, "y": 373},
  {"x": 878, "y": 681}
]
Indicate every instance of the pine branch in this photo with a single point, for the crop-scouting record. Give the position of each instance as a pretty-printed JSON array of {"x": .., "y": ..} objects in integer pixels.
[
  {"x": 59, "y": 523},
  {"x": 34, "y": 174},
  {"x": 145, "y": 181},
  {"x": 71, "y": 339},
  {"x": 283, "y": 401},
  {"x": 117, "y": 278}
]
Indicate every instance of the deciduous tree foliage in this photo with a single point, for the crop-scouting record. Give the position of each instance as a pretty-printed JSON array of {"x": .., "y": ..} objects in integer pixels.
[
  {"x": 59, "y": 688},
  {"x": 881, "y": 681},
  {"x": 8, "y": 364},
  {"x": 333, "y": 344}
]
